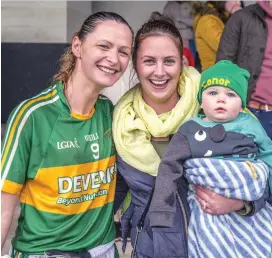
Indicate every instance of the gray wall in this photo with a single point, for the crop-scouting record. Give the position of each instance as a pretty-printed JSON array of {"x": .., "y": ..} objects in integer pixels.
[
  {"x": 33, "y": 21},
  {"x": 135, "y": 12},
  {"x": 44, "y": 21},
  {"x": 77, "y": 12},
  {"x": 56, "y": 21}
]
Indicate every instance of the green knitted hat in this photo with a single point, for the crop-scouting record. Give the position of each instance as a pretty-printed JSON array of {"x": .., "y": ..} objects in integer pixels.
[{"x": 226, "y": 74}]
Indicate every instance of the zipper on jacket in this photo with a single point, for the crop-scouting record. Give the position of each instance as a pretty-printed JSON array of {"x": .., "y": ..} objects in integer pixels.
[
  {"x": 185, "y": 221},
  {"x": 184, "y": 214}
]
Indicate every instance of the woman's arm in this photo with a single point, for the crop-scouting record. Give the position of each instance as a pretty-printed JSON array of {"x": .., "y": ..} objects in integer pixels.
[
  {"x": 121, "y": 191},
  {"x": 8, "y": 204},
  {"x": 163, "y": 205},
  {"x": 16, "y": 149}
]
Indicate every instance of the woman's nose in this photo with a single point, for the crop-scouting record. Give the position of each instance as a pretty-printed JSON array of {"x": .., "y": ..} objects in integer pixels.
[
  {"x": 112, "y": 56},
  {"x": 159, "y": 70}
]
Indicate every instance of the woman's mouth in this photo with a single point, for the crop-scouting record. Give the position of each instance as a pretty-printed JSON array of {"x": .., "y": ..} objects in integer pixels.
[
  {"x": 107, "y": 70},
  {"x": 159, "y": 84}
]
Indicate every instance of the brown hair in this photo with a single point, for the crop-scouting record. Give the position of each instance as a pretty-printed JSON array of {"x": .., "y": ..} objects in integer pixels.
[
  {"x": 68, "y": 60},
  {"x": 157, "y": 25},
  {"x": 217, "y": 9}
]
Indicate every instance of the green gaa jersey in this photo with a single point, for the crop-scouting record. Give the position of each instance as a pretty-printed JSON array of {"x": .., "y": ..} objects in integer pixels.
[{"x": 63, "y": 167}]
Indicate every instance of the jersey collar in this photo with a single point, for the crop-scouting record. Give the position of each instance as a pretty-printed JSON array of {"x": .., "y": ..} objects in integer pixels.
[{"x": 64, "y": 105}]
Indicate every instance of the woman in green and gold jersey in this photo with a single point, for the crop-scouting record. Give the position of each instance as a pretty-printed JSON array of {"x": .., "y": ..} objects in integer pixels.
[{"x": 58, "y": 155}]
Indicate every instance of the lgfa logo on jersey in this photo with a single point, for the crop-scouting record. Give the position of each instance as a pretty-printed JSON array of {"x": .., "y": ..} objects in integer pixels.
[{"x": 67, "y": 144}]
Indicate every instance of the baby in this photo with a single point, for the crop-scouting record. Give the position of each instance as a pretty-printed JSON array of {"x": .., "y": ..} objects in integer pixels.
[{"x": 227, "y": 151}]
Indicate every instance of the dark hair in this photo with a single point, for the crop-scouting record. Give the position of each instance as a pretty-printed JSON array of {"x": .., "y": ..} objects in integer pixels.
[
  {"x": 157, "y": 25},
  {"x": 218, "y": 5},
  {"x": 218, "y": 9},
  {"x": 68, "y": 60}
]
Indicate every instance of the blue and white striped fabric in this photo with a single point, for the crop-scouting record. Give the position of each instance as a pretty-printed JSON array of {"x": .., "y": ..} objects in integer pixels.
[{"x": 230, "y": 235}]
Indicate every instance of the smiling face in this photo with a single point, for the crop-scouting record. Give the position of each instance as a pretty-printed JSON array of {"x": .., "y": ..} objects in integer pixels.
[
  {"x": 158, "y": 68},
  {"x": 220, "y": 104},
  {"x": 102, "y": 57}
]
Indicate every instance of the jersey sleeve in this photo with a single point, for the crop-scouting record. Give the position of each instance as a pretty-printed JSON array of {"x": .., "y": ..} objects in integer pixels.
[{"x": 16, "y": 146}]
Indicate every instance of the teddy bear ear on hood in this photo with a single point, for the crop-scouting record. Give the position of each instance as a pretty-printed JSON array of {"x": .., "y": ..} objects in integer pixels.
[{"x": 217, "y": 133}]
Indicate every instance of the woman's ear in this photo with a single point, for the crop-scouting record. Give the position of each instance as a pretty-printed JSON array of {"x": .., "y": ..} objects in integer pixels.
[{"x": 76, "y": 47}]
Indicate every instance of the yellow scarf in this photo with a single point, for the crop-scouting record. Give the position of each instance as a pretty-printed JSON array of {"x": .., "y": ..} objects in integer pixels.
[{"x": 134, "y": 122}]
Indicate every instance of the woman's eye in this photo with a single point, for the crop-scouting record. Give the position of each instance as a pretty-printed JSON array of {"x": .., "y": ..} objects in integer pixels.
[
  {"x": 104, "y": 47},
  {"x": 123, "y": 53},
  {"x": 212, "y": 93},
  {"x": 169, "y": 61},
  {"x": 148, "y": 61},
  {"x": 200, "y": 135}
]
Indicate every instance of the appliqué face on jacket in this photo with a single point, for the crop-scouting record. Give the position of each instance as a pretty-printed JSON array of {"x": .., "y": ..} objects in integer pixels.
[{"x": 216, "y": 141}]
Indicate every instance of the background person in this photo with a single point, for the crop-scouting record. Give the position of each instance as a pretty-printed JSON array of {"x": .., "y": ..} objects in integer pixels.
[
  {"x": 247, "y": 41},
  {"x": 209, "y": 23},
  {"x": 180, "y": 12}
]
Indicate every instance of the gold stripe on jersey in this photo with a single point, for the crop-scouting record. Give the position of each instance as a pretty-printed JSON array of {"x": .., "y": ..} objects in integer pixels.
[
  {"x": 83, "y": 117},
  {"x": 74, "y": 188},
  {"x": 18, "y": 118},
  {"x": 12, "y": 187}
]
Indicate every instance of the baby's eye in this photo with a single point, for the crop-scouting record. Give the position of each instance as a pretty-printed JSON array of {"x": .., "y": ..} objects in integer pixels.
[
  {"x": 230, "y": 94},
  {"x": 212, "y": 93}
]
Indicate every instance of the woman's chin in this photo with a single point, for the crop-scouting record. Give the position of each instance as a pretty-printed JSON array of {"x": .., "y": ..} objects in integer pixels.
[{"x": 107, "y": 83}]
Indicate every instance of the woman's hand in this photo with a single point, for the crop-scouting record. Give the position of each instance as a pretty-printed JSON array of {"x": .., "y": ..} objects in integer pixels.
[{"x": 215, "y": 204}]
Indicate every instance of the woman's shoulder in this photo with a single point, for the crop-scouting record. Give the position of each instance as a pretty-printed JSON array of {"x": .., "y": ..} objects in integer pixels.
[
  {"x": 104, "y": 103},
  {"x": 37, "y": 108},
  {"x": 191, "y": 72},
  {"x": 30, "y": 106},
  {"x": 104, "y": 99},
  {"x": 127, "y": 97},
  {"x": 190, "y": 80}
]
